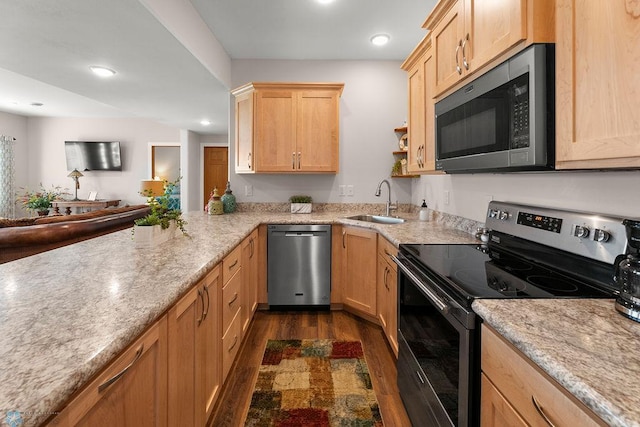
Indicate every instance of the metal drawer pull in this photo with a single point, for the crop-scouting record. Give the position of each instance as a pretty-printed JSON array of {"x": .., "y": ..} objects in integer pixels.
[
  {"x": 206, "y": 312},
  {"x": 458, "y": 69},
  {"x": 235, "y": 297},
  {"x": 464, "y": 55},
  {"x": 235, "y": 341},
  {"x": 293, "y": 160},
  {"x": 299, "y": 157},
  {"x": 544, "y": 416},
  {"x": 343, "y": 234},
  {"x": 233, "y": 265},
  {"x": 201, "y": 298},
  {"x": 117, "y": 376}
]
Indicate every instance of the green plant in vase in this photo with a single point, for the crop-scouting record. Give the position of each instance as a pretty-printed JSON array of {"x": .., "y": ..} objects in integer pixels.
[
  {"x": 160, "y": 213},
  {"x": 40, "y": 201}
]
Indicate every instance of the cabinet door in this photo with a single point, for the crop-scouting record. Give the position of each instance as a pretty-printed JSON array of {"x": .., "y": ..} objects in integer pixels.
[
  {"x": 496, "y": 411},
  {"x": 492, "y": 27},
  {"x": 317, "y": 133},
  {"x": 446, "y": 39},
  {"x": 428, "y": 152},
  {"x": 359, "y": 269},
  {"x": 244, "y": 133},
  {"x": 275, "y": 131},
  {"x": 597, "y": 81},
  {"x": 132, "y": 391},
  {"x": 392, "y": 306},
  {"x": 208, "y": 361},
  {"x": 417, "y": 116},
  {"x": 249, "y": 279}
]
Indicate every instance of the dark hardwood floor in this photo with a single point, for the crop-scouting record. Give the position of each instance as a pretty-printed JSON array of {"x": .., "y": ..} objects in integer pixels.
[{"x": 236, "y": 396}]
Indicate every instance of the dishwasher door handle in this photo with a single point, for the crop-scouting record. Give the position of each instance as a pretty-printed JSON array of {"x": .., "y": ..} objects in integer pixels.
[{"x": 294, "y": 234}]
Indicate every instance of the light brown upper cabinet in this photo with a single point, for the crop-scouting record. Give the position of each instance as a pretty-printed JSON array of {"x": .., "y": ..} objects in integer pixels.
[
  {"x": 597, "y": 81},
  {"x": 287, "y": 127},
  {"x": 468, "y": 34},
  {"x": 420, "y": 66}
]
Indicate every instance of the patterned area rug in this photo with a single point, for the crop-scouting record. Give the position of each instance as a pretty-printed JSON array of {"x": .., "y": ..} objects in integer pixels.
[{"x": 313, "y": 383}]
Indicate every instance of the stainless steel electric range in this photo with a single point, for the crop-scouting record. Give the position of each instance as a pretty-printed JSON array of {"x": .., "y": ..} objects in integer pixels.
[{"x": 532, "y": 252}]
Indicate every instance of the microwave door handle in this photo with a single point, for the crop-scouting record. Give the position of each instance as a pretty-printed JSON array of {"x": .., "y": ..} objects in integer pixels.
[{"x": 435, "y": 299}]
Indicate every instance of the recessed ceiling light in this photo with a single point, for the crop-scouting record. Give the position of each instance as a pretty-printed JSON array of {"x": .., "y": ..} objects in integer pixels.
[
  {"x": 102, "y": 71},
  {"x": 36, "y": 104},
  {"x": 325, "y": 1},
  {"x": 380, "y": 39},
  {"x": 205, "y": 122}
]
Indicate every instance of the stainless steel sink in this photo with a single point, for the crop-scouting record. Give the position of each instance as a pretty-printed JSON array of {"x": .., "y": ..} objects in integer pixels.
[{"x": 380, "y": 219}]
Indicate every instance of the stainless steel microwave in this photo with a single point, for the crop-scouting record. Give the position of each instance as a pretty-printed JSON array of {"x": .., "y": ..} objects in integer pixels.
[{"x": 502, "y": 121}]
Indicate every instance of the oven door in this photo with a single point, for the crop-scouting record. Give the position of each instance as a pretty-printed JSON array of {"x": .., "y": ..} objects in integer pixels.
[{"x": 436, "y": 359}]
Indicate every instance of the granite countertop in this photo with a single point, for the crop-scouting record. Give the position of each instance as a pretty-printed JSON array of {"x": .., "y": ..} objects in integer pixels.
[
  {"x": 67, "y": 312},
  {"x": 584, "y": 344}
]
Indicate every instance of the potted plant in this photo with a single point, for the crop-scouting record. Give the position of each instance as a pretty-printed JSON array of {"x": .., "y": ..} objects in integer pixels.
[
  {"x": 40, "y": 201},
  {"x": 161, "y": 223},
  {"x": 300, "y": 204}
]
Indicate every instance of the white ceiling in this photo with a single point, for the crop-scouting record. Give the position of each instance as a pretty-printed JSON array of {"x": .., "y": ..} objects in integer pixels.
[{"x": 46, "y": 48}]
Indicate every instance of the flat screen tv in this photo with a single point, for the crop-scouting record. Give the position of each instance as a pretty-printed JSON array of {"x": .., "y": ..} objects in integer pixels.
[{"x": 93, "y": 155}]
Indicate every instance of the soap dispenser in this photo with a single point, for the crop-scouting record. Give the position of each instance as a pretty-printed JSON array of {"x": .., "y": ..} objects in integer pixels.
[{"x": 424, "y": 212}]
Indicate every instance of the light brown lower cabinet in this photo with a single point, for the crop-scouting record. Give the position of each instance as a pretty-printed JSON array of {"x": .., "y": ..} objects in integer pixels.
[
  {"x": 388, "y": 292},
  {"x": 516, "y": 392},
  {"x": 194, "y": 363},
  {"x": 131, "y": 391},
  {"x": 249, "y": 278},
  {"x": 359, "y": 263}
]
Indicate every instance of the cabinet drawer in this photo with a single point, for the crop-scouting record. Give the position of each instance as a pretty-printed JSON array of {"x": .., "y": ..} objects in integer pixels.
[
  {"x": 386, "y": 248},
  {"x": 521, "y": 382},
  {"x": 231, "y": 300},
  {"x": 231, "y": 342},
  {"x": 231, "y": 264}
]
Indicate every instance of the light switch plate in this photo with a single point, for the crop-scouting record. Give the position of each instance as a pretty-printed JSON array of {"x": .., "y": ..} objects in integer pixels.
[{"x": 350, "y": 190}]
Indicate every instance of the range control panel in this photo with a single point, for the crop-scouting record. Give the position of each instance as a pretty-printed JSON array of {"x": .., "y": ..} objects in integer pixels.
[{"x": 600, "y": 237}]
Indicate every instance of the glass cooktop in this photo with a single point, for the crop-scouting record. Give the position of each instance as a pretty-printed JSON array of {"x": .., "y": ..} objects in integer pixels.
[{"x": 478, "y": 271}]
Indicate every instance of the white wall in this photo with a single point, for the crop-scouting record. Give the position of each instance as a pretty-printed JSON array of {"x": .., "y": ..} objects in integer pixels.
[
  {"x": 606, "y": 192},
  {"x": 47, "y": 164},
  {"x": 373, "y": 103}
]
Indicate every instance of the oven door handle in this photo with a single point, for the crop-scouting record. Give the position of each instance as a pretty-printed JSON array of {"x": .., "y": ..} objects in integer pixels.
[{"x": 435, "y": 299}]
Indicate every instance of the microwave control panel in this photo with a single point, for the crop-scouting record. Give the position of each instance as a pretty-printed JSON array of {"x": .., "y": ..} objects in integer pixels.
[{"x": 520, "y": 112}]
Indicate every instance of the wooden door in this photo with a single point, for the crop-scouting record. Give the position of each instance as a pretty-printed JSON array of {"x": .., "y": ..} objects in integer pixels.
[
  {"x": 208, "y": 351},
  {"x": 493, "y": 27},
  {"x": 216, "y": 170},
  {"x": 446, "y": 40},
  {"x": 317, "y": 131},
  {"x": 416, "y": 124},
  {"x": 136, "y": 398},
  {"x": 597, "y": 85},
  {"x": 275, "y": 131},
  {"x": 359, "y": 269}
]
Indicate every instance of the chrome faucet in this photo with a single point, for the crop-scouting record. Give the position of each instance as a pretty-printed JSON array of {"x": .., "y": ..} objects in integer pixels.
[{"x": 390, "y": 206}]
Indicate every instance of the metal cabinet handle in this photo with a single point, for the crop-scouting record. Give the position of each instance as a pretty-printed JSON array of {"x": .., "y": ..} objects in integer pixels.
[
  {"x": 201, "y": 298},
  {"x": 343, "y": 234},
  {"x": 386, "y": 277},
  {"x": 299, "y": 157},
  {"x": 293, "y": 160},
  {"x": 119, "y": 375},
  {"x": 458, "y": 69},
  {"x": 464, "y": 55},
  {"x": 206, "y": 311},
  {"x": 251, "y": 250},
  {"x": 235, "y": 341},
  {"x": 233, "y": 265},
  {"x": 538, "y": 407},
  {"x": 235, "y": 297},
  {"x": 249, "y": 160}
]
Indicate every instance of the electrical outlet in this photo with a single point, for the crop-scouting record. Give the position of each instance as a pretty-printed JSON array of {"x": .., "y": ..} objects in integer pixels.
[
  {"x": 248, "y": 190},
  {"x": 350, "y": 190},
  {"x": 446, "y": 197},
  {"x": 342, "y": 190}
]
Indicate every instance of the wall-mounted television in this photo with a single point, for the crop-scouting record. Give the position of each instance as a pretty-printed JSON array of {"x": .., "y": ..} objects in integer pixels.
[{"x": 93, "y": 155}]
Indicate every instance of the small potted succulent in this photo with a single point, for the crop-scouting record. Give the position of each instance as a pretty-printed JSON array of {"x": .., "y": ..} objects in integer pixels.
[{"x": 300, "y": 204}]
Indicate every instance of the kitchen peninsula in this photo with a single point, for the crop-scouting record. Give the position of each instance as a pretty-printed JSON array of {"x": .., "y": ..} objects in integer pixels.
[{"x": 67, "y": 313}]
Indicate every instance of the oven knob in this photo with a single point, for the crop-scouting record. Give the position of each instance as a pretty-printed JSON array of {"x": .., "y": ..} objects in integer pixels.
[
  {"x": 493, "y": 213},
  {"x": 600, "y": 235},
  {"x": 504, "y": 215},
  {"x": 581, "y": 232}
]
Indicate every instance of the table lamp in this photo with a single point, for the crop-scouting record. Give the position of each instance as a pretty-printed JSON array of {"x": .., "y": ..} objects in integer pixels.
[
  {"x": 151, "y": 188},
  {"x": 75, "y": 174}
]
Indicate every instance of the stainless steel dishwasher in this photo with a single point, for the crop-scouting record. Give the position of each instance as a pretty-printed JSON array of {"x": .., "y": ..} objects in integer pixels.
[{"x": 299, "y": 266}]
